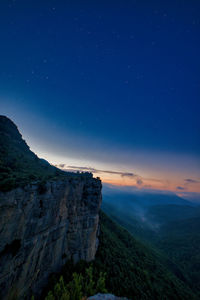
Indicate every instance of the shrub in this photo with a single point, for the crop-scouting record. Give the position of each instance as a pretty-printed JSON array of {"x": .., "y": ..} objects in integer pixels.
[{"x": 81, "y": 285}]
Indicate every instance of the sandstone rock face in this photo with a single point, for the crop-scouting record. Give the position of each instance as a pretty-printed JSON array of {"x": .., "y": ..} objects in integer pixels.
[{"x": 41, "y": 227}]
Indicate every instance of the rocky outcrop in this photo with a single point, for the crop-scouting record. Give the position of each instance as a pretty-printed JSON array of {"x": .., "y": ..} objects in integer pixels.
[{"x": 41, "y": 227}]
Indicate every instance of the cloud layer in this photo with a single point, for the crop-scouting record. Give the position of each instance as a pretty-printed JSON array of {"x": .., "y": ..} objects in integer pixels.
[
  {"x": 134, "y": 179},
  {"x": 180, "y": 188},
  {"x": 189, "y": 180},
  {"x": 93, "y": 170}
]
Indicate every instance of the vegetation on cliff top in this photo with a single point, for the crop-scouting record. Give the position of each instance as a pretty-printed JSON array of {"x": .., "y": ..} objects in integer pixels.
[{"x": 19, "y": 166}]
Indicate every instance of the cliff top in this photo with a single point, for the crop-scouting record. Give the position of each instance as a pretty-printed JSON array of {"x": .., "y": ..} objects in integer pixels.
[{"x": 19, "y": 166}]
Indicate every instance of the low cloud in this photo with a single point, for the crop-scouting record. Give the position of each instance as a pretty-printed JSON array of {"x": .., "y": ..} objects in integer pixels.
[
  {"x": 60, "y": 166},
  {"x": 180, "y": 188},
  {"x": 93, "y": 170},
  {"x": 139, "y": 181},
  {"x": 189, "y": 180}
]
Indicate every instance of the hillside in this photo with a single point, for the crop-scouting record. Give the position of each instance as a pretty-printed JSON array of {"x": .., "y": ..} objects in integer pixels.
[
  {"x": 180, "y": 240},
  {"x": 132, "y": 269},
  {"x": 173, "y": 230},
  {"x": 162, "y": 214},
  {"x": 18, "y": 164},
  {"x": 51, "y": 217}
]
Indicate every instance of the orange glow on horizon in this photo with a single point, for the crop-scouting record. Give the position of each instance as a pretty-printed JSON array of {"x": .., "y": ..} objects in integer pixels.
[
  {"x": 143, "y": 179},
  {"x": 166, "y": 179},
  {"x": 154, "y": 184}
]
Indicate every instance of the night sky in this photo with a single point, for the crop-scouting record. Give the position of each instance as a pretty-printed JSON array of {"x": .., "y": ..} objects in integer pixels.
[{"x": 107, "y": 86}]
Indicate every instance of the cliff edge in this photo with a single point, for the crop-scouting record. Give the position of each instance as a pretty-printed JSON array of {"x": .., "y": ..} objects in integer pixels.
[{"x": 43, "y": 223}]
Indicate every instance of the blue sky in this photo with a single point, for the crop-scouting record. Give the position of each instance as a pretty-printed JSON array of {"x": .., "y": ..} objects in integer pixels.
[{"x": 108, "y": 85}]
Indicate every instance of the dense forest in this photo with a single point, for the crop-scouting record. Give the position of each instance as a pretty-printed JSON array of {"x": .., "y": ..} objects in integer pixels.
[
  {"x": 170, "y": 229},
  {"x": 19, "y": 166},
  {"x": 123, "y": 266}
]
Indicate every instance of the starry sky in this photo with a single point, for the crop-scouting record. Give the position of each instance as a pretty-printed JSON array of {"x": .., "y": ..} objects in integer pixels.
[{"x": 111, "y": 87}]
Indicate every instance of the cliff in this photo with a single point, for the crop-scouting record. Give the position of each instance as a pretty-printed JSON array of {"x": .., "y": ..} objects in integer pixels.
[{"x": 43, "y": 224}]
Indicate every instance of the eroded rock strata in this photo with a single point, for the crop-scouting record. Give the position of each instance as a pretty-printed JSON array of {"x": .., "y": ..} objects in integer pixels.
[{"x": 41, "y": 227}]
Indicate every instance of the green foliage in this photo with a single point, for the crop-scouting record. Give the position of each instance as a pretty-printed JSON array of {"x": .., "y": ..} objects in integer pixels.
[
  {"x": 180, "y": 240},
  {"x": 132, "y": 270},
  {"x": 90, "y": 284},
  {"x": 60, "y": 290},
  {"x": 177, "y": 239},
  {"x": 50, "y": 296},
  {"x": 76, "y": 287},
  {"x": 101, "y": 283},
  {"x": 80, "y": 285},
  {"x": 19, "y": 166}
]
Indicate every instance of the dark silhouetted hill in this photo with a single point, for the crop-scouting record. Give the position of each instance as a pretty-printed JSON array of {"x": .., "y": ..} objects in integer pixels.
[{"x": 18, "y": 164}]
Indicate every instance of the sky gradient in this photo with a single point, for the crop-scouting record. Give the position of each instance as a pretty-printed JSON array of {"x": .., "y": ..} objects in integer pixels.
[{"x": 111, "y": 87}]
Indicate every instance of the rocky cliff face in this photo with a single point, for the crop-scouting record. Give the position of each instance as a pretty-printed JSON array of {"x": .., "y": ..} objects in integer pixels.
[{"x": 41, "y": 227}]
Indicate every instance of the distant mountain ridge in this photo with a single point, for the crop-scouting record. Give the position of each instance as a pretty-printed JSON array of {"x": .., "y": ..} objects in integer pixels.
[
  {"x": 145, "y": 198},
  {"x": 172, "y": 229}
]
